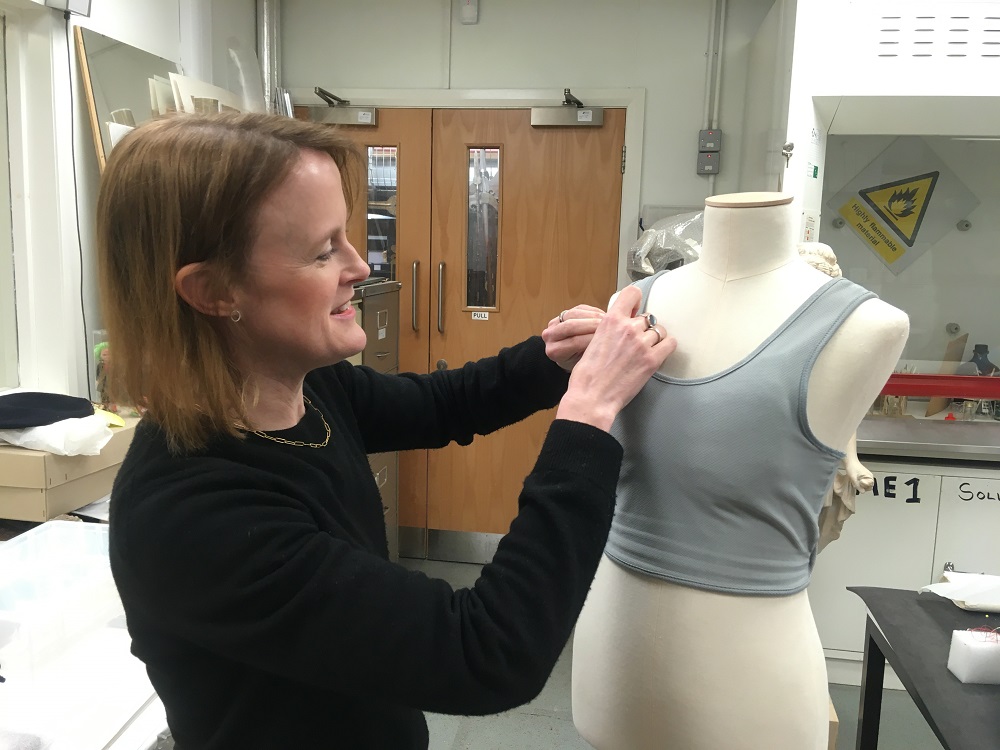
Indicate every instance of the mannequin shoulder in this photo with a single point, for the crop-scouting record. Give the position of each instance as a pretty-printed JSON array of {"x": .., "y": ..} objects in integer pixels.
[
  {"x": 878, "y": 322},
  {"x": 873, "y": 334}
]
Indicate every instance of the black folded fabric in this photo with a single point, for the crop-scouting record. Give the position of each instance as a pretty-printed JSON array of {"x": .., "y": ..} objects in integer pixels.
[{"x": 19, "y": 411}]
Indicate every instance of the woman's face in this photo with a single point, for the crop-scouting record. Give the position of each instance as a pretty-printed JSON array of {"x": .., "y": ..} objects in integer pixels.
[{"x": 296, "y": 303}]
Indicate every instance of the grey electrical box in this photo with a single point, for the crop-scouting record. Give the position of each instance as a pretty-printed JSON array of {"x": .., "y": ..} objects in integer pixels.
[
  {"x": 709, "y": 162},
  {"x": 709, "y": 140}
]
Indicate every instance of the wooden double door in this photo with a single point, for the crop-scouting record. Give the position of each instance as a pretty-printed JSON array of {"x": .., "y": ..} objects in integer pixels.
[{"x": 549, "y": 218}]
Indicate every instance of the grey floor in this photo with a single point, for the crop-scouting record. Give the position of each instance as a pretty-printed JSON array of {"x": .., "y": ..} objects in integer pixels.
[{"x": 547, "y": 722}]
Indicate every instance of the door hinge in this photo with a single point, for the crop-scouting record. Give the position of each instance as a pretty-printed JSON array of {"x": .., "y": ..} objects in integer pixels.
[{"x": 623, "y": 160}]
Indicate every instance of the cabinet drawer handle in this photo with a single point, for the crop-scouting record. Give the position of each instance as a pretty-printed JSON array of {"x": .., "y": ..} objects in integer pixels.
[{"x": 381, "y": 355}]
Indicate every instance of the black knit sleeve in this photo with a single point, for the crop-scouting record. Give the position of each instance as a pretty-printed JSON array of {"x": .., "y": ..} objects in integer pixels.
[
  {"x": 224, "y": 562},
  {"x": 430, "y": 411}
]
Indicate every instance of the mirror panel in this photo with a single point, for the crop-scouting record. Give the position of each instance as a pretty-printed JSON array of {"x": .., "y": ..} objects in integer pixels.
[{"x": 117, "y": 85}]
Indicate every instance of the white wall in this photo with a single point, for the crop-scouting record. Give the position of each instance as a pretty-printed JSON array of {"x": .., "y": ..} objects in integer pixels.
[
  {"x": 954, "y": 282},
  {"x": 765, "y": 115},
  {"x": 659, "y": 45}
]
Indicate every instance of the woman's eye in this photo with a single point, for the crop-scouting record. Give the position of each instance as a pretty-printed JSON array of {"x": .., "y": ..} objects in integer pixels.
[{"x": 325, "y": 255}]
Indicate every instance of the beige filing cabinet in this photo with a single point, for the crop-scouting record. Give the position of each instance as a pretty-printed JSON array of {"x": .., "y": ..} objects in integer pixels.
[{"x": 377, "y": 305}]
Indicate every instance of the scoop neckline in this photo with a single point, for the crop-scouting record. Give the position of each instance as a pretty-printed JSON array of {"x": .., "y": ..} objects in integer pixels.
[{"x": 760, "y": 347}]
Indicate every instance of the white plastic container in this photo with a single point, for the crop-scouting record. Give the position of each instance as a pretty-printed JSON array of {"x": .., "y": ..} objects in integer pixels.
[{"x": 70, "y": 679}]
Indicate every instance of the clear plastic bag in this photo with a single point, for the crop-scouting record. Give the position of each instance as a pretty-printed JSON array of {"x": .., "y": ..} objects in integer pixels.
[{"x": 667, "y": 244}]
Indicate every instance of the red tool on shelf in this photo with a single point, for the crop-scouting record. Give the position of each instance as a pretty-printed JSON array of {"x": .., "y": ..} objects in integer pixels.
[{"x": 952, "y": 386}]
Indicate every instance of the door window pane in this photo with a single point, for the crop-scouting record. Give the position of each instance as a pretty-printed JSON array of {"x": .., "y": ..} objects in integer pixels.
[
  {"x": 483, "y": 240},
  {"x": 382, "y": 196}
]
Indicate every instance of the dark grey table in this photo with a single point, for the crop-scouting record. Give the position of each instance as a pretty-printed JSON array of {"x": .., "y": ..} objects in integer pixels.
[{"x": 913, "y": 633}]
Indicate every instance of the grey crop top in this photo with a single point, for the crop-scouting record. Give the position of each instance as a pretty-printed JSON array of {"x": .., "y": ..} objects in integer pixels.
[{"x": 723, "y": 480}]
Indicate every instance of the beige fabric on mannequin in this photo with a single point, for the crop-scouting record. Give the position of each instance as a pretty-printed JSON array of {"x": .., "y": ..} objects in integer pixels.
[{"x": 658, "y": 665}]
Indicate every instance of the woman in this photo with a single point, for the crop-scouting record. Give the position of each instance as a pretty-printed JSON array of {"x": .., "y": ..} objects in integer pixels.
[{"x": 247, "y": 538}]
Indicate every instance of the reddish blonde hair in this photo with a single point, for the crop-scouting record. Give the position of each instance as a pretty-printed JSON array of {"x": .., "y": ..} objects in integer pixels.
[{"x": 178, "y": 190}]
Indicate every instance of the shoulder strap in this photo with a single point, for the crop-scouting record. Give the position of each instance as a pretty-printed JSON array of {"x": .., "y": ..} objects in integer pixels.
[{"x": 644, "y": 286}]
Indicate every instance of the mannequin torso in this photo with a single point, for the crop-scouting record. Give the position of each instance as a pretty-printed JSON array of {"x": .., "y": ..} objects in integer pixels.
[{"x": 661, "y": 665}]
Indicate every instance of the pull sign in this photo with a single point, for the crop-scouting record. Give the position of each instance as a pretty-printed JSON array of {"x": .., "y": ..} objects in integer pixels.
[{"x": 480, "y": 316}]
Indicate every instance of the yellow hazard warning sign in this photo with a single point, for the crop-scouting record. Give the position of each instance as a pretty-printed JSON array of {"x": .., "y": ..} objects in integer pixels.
[
  {"x": 862, "y": 221},
  {"x": 902, "y": 204}
]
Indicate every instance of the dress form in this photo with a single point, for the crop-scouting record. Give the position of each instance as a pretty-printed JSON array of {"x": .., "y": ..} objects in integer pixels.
[{"x": 661, "y": 665}]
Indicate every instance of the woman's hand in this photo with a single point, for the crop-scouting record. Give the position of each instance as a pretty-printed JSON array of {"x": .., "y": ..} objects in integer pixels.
[
  {"x": 623, "y": 352},
  {"x": 567, "y": 335}
]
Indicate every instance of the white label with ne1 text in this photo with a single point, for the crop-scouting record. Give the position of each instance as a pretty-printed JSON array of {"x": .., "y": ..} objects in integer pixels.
[
  {"x": 480, "y": 316},
  {"x": 902, "y": 487}
]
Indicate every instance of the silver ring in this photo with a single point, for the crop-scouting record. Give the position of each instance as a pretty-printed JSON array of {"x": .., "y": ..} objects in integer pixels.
[
  {"x": 650, "y": 320},
  {"x": 562, "y": 316},
  {"x": 659, "y": 338}
]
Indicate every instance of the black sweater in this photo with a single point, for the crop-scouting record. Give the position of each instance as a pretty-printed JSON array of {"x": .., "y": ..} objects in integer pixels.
[{"x": 256, "y": 585}]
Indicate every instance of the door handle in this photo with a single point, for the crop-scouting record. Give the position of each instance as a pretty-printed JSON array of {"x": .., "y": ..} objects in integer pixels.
[
  {"x": 441, "y": 297},
  {"x": 413, "y": 312}
]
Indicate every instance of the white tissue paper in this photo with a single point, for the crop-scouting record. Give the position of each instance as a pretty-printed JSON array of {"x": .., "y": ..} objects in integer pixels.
[
  {"x": 84, "y": 436},
  {"x": 972, "y": 591},
  {"x": 975, "y": 656}
]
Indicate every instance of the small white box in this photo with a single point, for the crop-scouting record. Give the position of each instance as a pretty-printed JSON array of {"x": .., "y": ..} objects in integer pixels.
[{"x": 975, "y": 656}]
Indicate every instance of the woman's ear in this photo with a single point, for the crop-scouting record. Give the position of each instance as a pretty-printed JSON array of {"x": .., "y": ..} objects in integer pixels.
[{"x": 196, "y": 285}]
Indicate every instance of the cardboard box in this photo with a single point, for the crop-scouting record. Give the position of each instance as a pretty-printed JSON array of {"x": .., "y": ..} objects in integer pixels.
[
  {"x": 834, "y": 726},
  {"x": 38, "y": 486}
]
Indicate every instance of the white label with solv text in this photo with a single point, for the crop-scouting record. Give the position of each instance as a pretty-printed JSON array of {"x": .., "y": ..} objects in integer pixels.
[{"x": 968, "y": 489}]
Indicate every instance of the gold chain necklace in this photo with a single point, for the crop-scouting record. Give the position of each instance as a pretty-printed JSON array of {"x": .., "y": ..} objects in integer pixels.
[{"x": 300, "y": 443}]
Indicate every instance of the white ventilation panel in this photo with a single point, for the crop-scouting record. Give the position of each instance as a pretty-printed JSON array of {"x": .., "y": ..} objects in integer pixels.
[
  {"x": 940, "y": 30},
  {"x": 918, "y": 67}
]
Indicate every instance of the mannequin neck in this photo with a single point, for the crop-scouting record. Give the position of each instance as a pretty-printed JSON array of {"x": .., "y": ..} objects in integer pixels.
[{"x": 743, "y": 241}]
